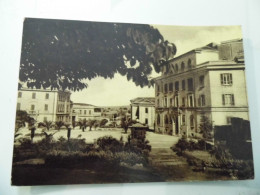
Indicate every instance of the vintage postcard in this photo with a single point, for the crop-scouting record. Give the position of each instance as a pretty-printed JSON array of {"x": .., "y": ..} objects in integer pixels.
[{"x": 120, "y": 103}]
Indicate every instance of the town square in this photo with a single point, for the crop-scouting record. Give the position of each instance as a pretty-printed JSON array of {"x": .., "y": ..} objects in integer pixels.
[{"x": 119, "y": 103}]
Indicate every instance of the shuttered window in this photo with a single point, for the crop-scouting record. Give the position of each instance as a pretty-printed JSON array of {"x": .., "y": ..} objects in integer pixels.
[
  {"x": 226, "y": 79},
  {"x": 228, "y": 99}
]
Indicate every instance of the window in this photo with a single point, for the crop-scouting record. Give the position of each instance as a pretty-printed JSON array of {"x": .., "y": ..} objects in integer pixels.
[
  {"x": 176, "y": 101},
  {"x": 190, "y": 100},
  {"x": 176, "y": 68},
  {"x": 189, "y": 64},
  {"x": 158, "y": 89},
  {"x": 18, "y": 107},
  {"x": 228, "y": 99},
  {"x": 85, "y": 112},
  {"x": 171, "y": 87},
  {"x": 146, "y": 121},
  {"x": 183, "y": 101},
  {"x": 158, "y": 102},
  {"x": 146, "y": 110},
  {"x": 183, "y": 84},
  {"x": 158, "y": 119},
  {"x": 228, "y": 120},
  {"x": 182, "y": 66},
  {"x": 183, "y": 119},
  {"x": 19, "y": 94},
  {"x": 46, "y": 96},
  {"x": 190, "y": 84},
  {"x": 33, "y": 95},
  {"x": 46, "y": 107},
  {"x": 165, "y": 102},
  {"x": 44, "y": 119},
  {"x": 89, "y": 112},
  {"x": 201, "y": 81},
  {"x": 177, "y": 86},
  {"x": 192, "y": 121},
  {"x": 80, "y": 111},
  {"x": 166, "y": 121},
  {"x": 170, "y": 120},
  {"x": 60, "y": 107},
  {"x": 166, "y": 88},
  {"x": 171, "y": 103},
  {"x": 226, "y": 79},
  {"x": 201, "y": 100},
  {"x": 32, "y": 107}
]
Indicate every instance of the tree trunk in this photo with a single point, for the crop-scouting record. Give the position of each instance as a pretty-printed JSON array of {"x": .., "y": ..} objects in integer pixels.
[{"x": 68, "y": 134}]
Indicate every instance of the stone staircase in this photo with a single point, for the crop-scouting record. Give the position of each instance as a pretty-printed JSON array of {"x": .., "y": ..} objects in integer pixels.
[
  {"x": 166, "y": 157},
  {"x": 170, "y": 166}
]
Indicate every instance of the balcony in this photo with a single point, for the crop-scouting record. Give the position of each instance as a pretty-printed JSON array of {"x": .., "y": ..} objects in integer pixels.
[{"x": 32, "y": 112}]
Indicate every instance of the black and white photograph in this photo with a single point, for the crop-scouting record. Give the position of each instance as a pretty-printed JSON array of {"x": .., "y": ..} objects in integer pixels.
[{"x": 104, "y": 102}]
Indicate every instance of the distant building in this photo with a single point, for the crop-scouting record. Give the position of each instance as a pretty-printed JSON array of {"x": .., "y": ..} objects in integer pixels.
[
  {"x": 142, "y": 110},
  {"x": 207, "y": 81},
  {"x": 115, "y": 113},
  {"x": 45, "y": 105},
  {"x": 81, "y": 111}
]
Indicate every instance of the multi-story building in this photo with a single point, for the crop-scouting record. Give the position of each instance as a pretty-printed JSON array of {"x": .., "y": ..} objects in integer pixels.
[
  {"x": 207, "y": 81},
  {"x": 143, "y": 111},
  {"x": 81, "y": 111},
  {"x": 45, "y": 105}
]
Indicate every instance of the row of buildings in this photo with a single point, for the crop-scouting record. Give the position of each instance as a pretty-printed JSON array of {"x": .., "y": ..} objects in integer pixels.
[
  {"x": 54, "y": 105},
  {"x": 207, "y": 81}
]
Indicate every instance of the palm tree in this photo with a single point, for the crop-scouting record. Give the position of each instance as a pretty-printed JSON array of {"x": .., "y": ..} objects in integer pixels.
[
  {"x": 68, "y": 126},
  {"x": 59, "y": 124},
  {"x": 74, "y": 124},
  {"x": 84, "y": 124},
  {"x": 47, "y": 124},
  {"x": 96, "y": 124},
  {"x": 91, "y": 123},
  {"x": 125, "y": 123},
  {"x": 103, "y": 122}
]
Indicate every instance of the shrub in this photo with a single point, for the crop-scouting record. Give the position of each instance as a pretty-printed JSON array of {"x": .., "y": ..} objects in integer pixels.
[
  {"x": 109, "y": 143},
  {"x": 129, "y": 158},
  {"x": 139, "y": 146},
  {"x": 58, "y": 158},
  {"x": 182, "y": 145}
]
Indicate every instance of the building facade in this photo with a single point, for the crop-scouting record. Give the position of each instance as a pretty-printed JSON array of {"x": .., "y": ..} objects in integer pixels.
[
  {"x": 143, "y": 110},
  {"x": 207, "y": 81},
  {"x": 45, "y": 105},
  {"x": 81, "y": 111}
]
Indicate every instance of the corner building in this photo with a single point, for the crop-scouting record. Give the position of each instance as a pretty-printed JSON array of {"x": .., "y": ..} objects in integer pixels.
[
  {"x": 45, "y": 105},
  {"x": 207, "y": 81},
  {"x": 142, "y": 110}
]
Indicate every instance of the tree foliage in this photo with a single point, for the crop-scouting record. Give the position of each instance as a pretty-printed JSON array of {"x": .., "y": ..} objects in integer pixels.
[
  {"x": 63, "y": 54},
  {"x": 59, "y": 124},
  {"x": 22, "y": 117},
  {"x": 126, "y": 122},
  {"x": 48, "y": 124},
  {"x": 206, "y": 127}
]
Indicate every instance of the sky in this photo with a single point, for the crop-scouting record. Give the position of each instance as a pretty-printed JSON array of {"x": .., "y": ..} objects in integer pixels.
[{"x": 118, "y": 91}]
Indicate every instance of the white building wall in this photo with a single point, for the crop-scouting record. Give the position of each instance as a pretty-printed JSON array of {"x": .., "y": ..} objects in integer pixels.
[
  {"x": 39, "y": 112},
  {"x": 44, "y": 108},
  {"x": 87, "y": 112},
  {"x": 150, "y": 116},
  {"x": 205, "y": 56},
  {"x": 238, "y": 88}
]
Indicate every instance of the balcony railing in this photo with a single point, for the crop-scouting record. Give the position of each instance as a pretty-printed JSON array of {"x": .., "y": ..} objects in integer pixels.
[{"x": 32, "y": 112}]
